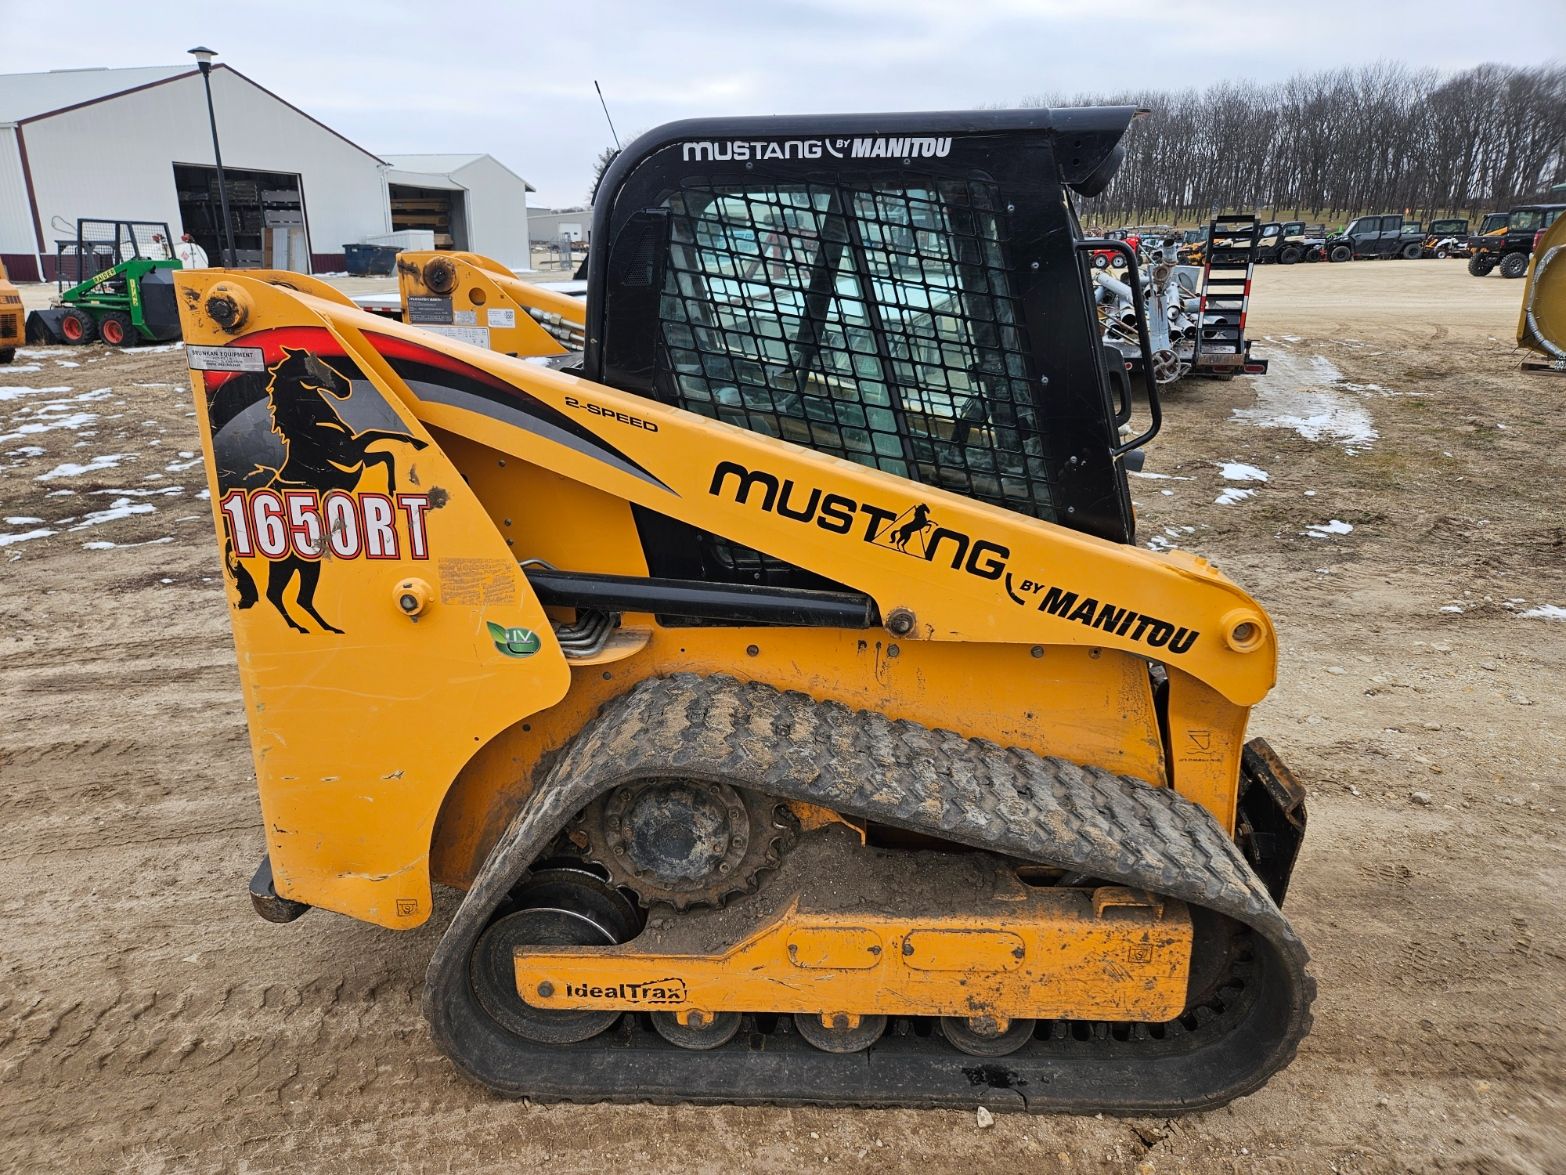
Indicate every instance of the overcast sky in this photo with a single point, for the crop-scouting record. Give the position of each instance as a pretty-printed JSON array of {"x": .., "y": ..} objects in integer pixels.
[{"x": 516, "y": 79}]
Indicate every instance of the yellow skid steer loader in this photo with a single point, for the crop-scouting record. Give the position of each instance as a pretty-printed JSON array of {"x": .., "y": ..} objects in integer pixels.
[
  {"x": 779, "y": 676},
  {"x": 478, "y": 300}
]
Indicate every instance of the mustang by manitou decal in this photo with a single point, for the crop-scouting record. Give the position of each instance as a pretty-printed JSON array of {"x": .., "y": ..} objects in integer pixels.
[
  {"x": 864, "y": 147},
  {"x": 914, "y": 531}
]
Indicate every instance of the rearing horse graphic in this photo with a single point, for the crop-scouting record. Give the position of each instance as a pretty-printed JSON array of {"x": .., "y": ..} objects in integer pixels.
[{"x": 321, "y": 453}]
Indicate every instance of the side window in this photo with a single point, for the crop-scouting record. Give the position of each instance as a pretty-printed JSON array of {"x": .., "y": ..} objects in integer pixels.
[{"x": 870, "y": 322}]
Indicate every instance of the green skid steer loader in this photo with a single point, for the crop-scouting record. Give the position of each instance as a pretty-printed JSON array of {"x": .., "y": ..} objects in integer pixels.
[{"x": 116, "y": 283}]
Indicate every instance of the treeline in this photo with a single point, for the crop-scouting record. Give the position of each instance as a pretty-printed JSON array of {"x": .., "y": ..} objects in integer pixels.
[{"x": 1333, "y": 144}]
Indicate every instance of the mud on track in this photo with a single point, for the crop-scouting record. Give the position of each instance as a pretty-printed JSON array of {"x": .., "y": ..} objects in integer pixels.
[{"x": 148, "y": 1020}]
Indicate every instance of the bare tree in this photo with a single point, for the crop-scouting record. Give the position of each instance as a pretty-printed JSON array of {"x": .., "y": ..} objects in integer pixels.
[{"x": 1334, "y": 144}]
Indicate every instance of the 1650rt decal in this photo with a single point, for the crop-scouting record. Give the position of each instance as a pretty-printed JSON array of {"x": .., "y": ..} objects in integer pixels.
[{"x": 308, "y": 507}]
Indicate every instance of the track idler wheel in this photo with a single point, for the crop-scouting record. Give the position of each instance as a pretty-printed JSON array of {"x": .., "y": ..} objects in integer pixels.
[
  {"x": 982, "y": 1036},
  {"x": 553, "y": 907},
  {"x": 841, "y": 1034},
  {"x": 701, "y": 1030}
]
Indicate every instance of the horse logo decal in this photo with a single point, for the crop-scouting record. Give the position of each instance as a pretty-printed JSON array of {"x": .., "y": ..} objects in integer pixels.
[
  {"x": 308, "y": 509},
  {"x": 918, "y": 522}
]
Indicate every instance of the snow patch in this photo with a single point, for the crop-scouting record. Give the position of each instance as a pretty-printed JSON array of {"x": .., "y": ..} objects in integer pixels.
[
  {"x": 149, "y": 492},
  {"x": 1325, "y": 369},
  {"x": 119, "y": 508},
  {"x": 7, "y": 393},
  {"x": 1235, "y": 471},
  {"x": 1157, "y": 476},
  {"x": 1233, "y": 496},
  {"x": 105, "y": 545},
  {"x": 1321, "y": 530},
  {"x": 75, "y": 420},
  {"x": 1542, "y": 612},
  {"x": 106, "y": 461},
  {"x": 23, "y": 536},
  {"x": 1309, "y": 397},
  {"x": 21, "y": 520},
  {"x": 22, "y": 368}
]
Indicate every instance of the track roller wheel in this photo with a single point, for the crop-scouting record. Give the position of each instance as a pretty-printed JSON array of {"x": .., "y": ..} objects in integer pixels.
[
  {"x": 553, "y": 907},
  {"x": 984, "y": 1036},
  {"x": 843, "y": 1034},
  {"x": 701, "y": 1031}
]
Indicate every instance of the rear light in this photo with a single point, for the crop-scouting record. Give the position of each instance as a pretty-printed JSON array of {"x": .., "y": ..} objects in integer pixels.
[{"x": 1255, "y": 369}]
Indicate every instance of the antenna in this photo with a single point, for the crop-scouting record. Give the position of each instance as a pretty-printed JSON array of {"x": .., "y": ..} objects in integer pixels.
[{"x": 607, "y": 119}]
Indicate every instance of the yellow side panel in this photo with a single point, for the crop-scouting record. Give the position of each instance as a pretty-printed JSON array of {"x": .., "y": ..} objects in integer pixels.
[
  {"x": 1048, "y": 955},
  {"x": 542, "y": 515},
  {"x": 367, "y": 587}
]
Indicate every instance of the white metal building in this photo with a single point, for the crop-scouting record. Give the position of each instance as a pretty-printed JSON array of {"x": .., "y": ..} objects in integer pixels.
[
  {"x": 471, "y": 202},
  {"x": 135, "y": 144},
  {"x": 549, "y": 225}
]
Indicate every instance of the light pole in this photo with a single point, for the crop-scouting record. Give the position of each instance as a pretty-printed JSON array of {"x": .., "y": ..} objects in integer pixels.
[{"x": 204, "y": 57}]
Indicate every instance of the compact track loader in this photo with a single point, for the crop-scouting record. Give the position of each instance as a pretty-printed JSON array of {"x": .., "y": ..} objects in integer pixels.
[{"x": 779, "y": 677}]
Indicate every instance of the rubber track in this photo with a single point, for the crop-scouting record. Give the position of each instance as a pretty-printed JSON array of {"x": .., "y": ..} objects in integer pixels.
[{"x": 897, "y": 773}]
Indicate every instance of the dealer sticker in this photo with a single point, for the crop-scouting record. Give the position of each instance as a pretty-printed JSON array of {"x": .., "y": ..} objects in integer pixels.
[
  {"x": 502, "y": 316},
  {"x": 225, "y": 358}
]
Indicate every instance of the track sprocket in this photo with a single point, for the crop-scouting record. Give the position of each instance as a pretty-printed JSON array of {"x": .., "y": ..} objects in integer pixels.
[{"x": 685, "y": 842}]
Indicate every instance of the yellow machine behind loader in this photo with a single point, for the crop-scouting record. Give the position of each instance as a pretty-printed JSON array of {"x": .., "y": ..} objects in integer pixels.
[
  {"x": 779, "y": 677},
  {"x": 1541, "y": 326},
  {"x": 11, "y": 318},
  {"x": 480, "y": 301}
]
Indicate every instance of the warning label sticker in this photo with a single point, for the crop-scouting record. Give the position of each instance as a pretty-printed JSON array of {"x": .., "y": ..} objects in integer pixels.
[{"x": 477, "y": 336}]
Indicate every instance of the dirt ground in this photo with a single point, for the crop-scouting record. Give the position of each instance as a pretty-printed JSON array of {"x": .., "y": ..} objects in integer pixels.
[{"x": 150, "y": 1022}]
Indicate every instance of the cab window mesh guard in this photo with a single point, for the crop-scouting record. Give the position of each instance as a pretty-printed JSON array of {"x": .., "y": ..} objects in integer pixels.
[{"x": 869, "y": 321}]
